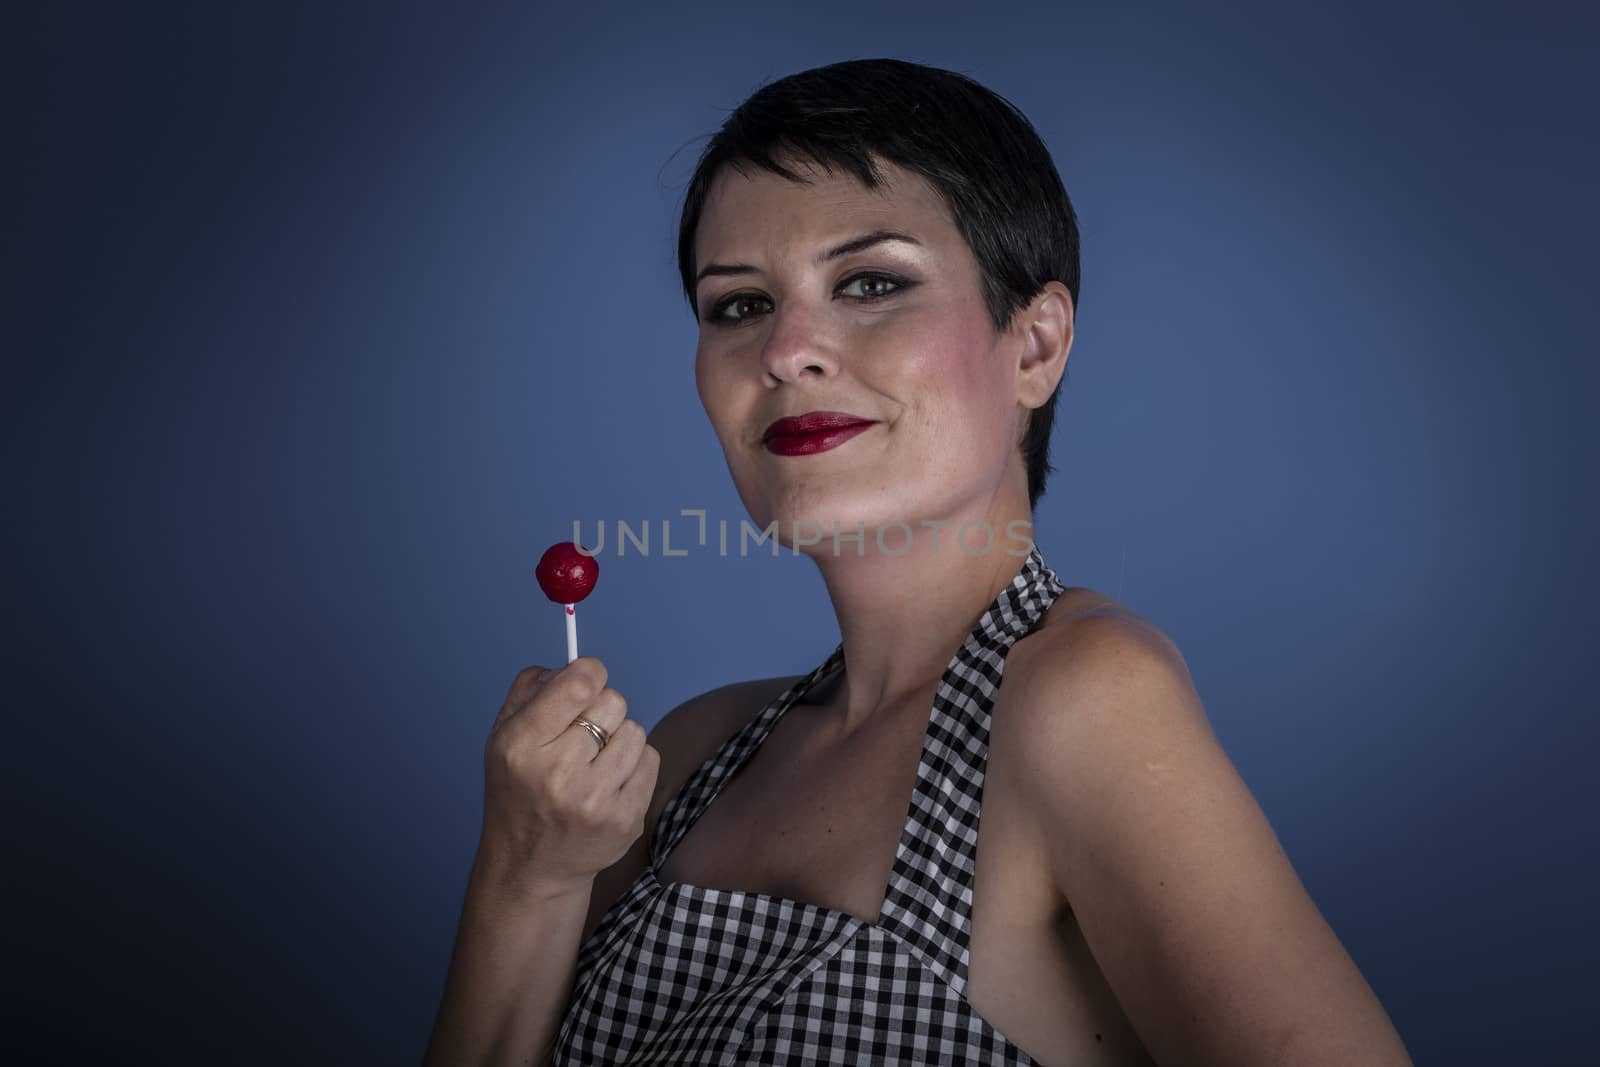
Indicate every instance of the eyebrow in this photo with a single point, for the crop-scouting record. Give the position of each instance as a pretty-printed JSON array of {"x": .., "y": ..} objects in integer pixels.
[{"x": 855, "y": 244}]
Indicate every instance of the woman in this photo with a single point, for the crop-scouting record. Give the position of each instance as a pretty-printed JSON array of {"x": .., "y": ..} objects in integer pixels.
[{"x": 884, "y": 264}]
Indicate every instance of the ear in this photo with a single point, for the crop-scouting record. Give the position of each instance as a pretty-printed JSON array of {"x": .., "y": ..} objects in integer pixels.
[{"x": 1046, "y": 327}]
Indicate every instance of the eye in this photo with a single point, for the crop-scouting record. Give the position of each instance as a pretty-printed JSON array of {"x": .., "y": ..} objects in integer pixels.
[
  {"x": 719, "y": 316},
  {"x": 718, "y": 313},
  {"x": 880, "y": 278}
]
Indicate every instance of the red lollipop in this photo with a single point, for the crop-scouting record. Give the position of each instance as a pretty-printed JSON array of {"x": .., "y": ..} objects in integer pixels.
[{"x": 567, "y": 576}]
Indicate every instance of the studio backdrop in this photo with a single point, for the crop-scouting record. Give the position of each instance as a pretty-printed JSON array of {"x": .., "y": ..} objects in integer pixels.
[{"x": 326, "y": 319}]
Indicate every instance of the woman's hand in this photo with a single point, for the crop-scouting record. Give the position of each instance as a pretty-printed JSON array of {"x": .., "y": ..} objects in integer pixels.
[{"x": 557, "y": 808}]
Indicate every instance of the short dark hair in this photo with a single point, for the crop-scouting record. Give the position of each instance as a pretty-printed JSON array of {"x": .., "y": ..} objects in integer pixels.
[{"x": 973, "y": 145}]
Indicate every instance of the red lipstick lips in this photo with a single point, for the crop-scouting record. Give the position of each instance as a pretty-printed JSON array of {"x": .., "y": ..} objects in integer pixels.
[{"x": 815, "y": 431}]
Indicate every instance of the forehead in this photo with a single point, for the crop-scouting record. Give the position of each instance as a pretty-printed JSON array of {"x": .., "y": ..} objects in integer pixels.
[{"x": 765, "y": 209}]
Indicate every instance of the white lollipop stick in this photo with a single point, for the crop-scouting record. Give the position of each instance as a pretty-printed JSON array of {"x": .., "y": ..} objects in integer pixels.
[{"x": 572, "y": 632}]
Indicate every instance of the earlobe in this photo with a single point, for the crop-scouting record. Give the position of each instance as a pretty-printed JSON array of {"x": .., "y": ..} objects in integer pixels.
[{"x": 1047, "y": 340}]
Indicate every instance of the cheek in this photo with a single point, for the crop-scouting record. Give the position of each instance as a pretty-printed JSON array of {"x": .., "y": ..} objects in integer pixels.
[
  {"x": 962, "y": 394},
  {"x": 705, "y": 383},
  {"x": 718, "y": 397},
  {"x": 700, "y": 375}
]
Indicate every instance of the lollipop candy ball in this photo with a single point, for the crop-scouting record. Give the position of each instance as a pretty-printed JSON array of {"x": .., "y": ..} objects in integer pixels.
[{"x": 567, "y": 575}]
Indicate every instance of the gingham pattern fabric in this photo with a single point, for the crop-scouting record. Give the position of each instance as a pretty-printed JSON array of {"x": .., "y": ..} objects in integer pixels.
[{"x": 683, "y": 974}]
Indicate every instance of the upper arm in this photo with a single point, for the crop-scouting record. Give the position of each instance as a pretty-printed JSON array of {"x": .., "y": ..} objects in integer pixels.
[
  {"x": 1186, "y": 899},
  {"x": 685, "y": 737}
]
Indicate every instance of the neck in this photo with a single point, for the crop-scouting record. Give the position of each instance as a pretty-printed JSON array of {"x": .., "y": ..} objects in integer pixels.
[{"x": 903, "y": 617}]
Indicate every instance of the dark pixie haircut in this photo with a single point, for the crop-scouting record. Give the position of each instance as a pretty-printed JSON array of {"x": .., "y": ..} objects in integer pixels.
[{"x": 974, "y": 146}]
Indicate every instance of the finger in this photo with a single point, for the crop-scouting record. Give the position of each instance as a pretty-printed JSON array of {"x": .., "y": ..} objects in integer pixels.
[
  {"x": 614, "y": 764},
  {"x": 607, "y": 767},
  {"x": 638, "y": 788},
  {"x": 560, "y": 698},
  {"x": 527, "y": 682},
  {"x": 609, "y": 711}
]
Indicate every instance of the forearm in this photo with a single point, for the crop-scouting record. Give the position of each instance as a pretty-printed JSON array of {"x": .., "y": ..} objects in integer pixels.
[{"x": 511, "y": 974}]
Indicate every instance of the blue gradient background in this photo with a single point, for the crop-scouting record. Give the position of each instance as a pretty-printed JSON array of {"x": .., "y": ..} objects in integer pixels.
[{"x": 325, "y": 322}]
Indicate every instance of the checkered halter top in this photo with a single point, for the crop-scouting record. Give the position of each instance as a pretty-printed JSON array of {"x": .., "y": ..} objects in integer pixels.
[{"x": 683, "y": 974}]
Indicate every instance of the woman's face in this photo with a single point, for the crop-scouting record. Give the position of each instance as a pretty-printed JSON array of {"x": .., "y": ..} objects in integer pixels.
[{"x": 910, "y": 345}]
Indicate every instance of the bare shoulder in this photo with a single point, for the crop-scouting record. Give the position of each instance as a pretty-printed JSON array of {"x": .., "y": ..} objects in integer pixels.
[
  {"x": 1177, "y": 880},
  {"x": 1091, "y": 675},
  {"x": 1083, "y": 624},
  {"x": 1093, "y": 679},
  {"x": 691, "y": 733},
  {"x": 687, "y": 735},
  {"x": 684, "y": 738},
  {"x": 1073, "y": 670}
]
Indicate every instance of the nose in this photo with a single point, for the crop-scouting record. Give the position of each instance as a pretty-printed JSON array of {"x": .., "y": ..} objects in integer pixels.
[{"x": 796, "y": 348}]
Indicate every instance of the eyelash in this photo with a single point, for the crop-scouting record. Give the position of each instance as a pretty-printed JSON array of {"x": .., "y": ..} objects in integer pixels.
[{"x": 900, "y": 285}]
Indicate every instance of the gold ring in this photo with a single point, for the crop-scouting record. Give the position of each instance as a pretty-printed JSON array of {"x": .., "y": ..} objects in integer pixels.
[{"x": 595, "y": 730}]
